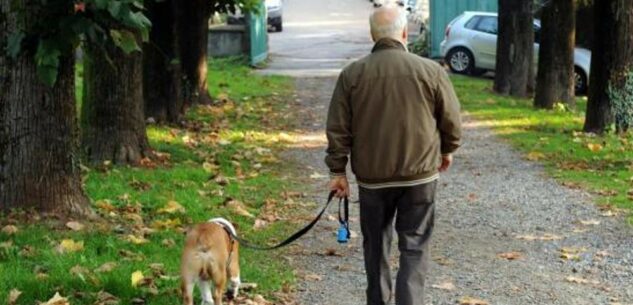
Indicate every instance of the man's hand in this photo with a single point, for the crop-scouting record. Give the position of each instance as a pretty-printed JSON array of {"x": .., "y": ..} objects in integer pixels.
[
  {"x": 340, "y": 185},
  {"x": 447, "y": 160}
]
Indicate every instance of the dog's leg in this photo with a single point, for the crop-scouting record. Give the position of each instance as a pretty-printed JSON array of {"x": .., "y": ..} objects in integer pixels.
[
  {"x": 218, "y": 289},
  {"x": 234, "y": 273},
  {"x": 186, "y": 288},
  {"x": 205, "y": 293},
  {"x": 234, "y": 286}
]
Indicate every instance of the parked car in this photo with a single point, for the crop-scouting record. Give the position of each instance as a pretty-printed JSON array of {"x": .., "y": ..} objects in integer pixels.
[
  {"x": 470, "y": 47},
  {"x": 275, "y": 14}
]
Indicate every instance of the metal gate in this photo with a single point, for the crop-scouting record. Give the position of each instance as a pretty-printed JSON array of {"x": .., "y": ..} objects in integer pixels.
[
  {"x": 443, "y": 11},
  {"x": 258, "y": 35}
]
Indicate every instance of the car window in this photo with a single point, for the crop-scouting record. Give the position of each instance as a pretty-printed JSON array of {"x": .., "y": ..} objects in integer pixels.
[
  {"x": 487, "y": 24},
  {"x": 472, "y": 22}
]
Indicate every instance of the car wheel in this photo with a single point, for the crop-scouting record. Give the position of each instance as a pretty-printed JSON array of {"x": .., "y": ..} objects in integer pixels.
[
  {"x": 580, "y": 81},
  {"x": 279, "y": 27},
  {"x": 460, "y": 60}
]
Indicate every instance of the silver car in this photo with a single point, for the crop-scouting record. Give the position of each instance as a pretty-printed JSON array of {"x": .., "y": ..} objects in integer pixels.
[{"x": 470, "y": 47}]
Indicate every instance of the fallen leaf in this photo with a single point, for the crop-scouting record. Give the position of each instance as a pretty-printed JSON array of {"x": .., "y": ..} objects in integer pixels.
[
  {"x": 594, "y": 147},
  {"x": 136, "y": 240},
  {"x": 316, "y": 175},
  {"x": 259, "y": 224},
  {"x": 137, "y": 277},
  {"x": 238, "y": 208},
  {"x": 590, "y": 222},
  {"x": 104, "y": 298},
  {"x": 510, "y": 255},
  {"x": 210, "y": 167},
  {"x": 78, "y": 270},
  {"x": 105, "y": 205},
  {"x": 535, "y": 156},
  {"x": 580, "y": 280},
  {"x": 165, "y": 224},
  {"x": 544, "y": 237},
  {"x": 69, "y": 245},
  {"x": 472, "y": 301},
  {"x": 332, "y": 252},
  {"x": 571, "y": 253},
  {"x": 168, "y": 242},
  {"x": 106, "y": 267},
  {"x": 57, "y": 300},
  {"x": 10, "y": 230},
  {"x": 75, "y": 226},
  {"x": 444, "y": 286},
  {"x": 172, "y": 207},
  {"x": 14, "y": 294},
  {"x": 312, "y": 277}
]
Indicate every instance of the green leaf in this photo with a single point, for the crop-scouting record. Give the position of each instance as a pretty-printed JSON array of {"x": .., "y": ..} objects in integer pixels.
[
  {"x": 47, "y": 74},
  {"x": 125, "y": 40},
  {"x": 14, "y": 45},
  {"x": 102, "y": 4},
  {"x": 47, "y": 60},
  {"x": 114, "y": 7}
]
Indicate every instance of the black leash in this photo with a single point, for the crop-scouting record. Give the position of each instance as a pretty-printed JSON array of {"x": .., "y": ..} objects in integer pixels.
[{"x": 343, "y": 220}]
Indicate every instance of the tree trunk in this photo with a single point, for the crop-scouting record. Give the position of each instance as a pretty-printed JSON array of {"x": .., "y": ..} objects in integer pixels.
[
  {"x": 162, "y": 78},
  {"x": 112, "y": 112},
  {"x": 611, "y": 60},
  {"x": 193, "y": 50},
  {"x": 39, "y": 164},
  {"x": 555, "y": 81},
  {"x": 515, "y": 48}
]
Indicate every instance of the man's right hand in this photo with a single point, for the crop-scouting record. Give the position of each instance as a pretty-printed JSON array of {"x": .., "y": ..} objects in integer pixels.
[
  {"x": 447, "y": 160},
  {"x": 340, "y": 185}
]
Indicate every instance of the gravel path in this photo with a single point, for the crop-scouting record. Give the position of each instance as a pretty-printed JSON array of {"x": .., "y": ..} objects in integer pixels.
[{"x": 491, "y": 202}]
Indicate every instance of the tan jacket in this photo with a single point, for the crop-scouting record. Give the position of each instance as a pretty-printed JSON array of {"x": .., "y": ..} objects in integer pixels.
[{"x": 395, "y": 112}]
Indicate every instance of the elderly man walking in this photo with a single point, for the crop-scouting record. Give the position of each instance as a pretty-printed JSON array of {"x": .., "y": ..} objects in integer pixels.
[{"x": 397, "y": 115}]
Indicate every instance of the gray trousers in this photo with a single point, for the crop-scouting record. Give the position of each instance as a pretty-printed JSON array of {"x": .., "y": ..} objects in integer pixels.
[{"x": 413, "y": 210}]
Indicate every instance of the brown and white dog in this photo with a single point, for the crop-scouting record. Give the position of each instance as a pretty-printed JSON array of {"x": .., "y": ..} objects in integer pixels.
[{"x": 210, "y": 257}]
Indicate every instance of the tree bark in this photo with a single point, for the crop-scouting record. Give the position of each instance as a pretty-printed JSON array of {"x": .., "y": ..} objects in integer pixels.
[
  {"x": 515, "y": 48},
  {"x": 555, "y": 80},
  {"x": 193, "y": 50},
  {"x": 39, "y": 164},
  {"x": 162, "y": 77},
  {"x": 611, "y": 60},
  {"x": 112, "y": 112}
]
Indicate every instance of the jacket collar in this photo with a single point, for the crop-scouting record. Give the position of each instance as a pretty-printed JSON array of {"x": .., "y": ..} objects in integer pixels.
[{"x": 388, "y": 43}]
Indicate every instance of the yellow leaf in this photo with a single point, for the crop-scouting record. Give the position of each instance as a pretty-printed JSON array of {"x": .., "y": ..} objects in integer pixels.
[
  {"x": 57, "y": 300},
  {"x": 210, "y": 167},
  {"x": 75, "y": 226},
  {"x": 136, "y": 240},
  {"x": 10, "y": 230},
  {"x": 172, "y": 207},
  {"x": 165, "y": 224},
  {"x": 13, "y": 296},
  {"x": 535, "y": 156},
  {"x": 137, "y": 277},
  {"x": 594, "y": 147},
  {"x": 105, "y": 205},
  {"x": 69, "y": 245}
]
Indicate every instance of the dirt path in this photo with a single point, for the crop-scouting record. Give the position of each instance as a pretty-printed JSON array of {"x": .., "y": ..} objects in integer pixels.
[{"x": 491, "y": 202}]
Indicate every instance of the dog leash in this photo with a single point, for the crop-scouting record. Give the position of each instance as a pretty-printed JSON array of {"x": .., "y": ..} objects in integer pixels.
[{"x": 343, "y": 220}]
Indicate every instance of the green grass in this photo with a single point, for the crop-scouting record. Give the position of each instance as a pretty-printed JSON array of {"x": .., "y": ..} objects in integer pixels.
[
  {"x": 602, "y": 165},
  {"x": 223, "y": 136}
]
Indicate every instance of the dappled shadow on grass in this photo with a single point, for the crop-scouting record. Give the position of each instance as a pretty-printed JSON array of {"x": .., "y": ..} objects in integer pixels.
[
  {"x": 602, "y": 165},
  {"x": 145, "y": 210}
]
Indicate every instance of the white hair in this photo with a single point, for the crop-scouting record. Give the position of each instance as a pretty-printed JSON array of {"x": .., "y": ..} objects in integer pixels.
[{"x": 389, "y": 30}]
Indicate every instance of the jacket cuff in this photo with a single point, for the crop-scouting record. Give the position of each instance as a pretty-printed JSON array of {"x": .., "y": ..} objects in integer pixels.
[{"x": 337, "y": 173}]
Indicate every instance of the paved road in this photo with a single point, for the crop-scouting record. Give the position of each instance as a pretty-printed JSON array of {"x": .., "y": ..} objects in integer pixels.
[{"x": 319, "y": 37}]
